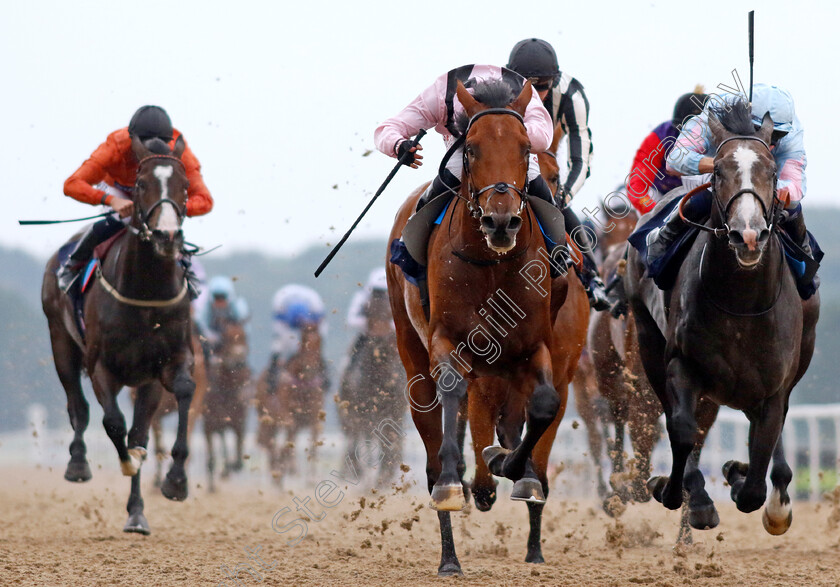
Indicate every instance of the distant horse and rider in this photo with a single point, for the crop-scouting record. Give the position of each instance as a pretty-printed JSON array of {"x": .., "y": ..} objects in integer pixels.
[
  {"x": 290, "y": 391},
  {"x": 222, "y": 320},
  {"x": 136, "y": 326},
  {"x": 372, "y": 389}
]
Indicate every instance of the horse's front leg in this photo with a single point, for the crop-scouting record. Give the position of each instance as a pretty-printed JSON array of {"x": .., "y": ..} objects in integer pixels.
[
  {"x": 681, "y": 391},
  {"x": 148, "y": 399},
  {"x": 448, "y": 491},
  {"x": 749, "y": 485},
  {"x": 177, "y": 378},
  {"x": 543, "y": 406},
  {"x": 106, "y": 387}
]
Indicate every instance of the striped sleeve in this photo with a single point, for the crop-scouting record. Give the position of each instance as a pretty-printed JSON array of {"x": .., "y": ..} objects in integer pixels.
[{"x": 575, "y": 121}]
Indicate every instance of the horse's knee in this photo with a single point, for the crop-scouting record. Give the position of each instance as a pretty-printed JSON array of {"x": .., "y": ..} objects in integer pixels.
[
  {"x": 544, "y": 405},
  {"x": 114, "y": 424},
  {"x": 183, "y": 387},
  {"x": 682, "y": 430}
]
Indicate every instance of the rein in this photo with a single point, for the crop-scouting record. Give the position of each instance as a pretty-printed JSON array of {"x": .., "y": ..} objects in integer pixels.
[
  {"x": 140, "y": 303},
  {"x": 144, "y": 232}
]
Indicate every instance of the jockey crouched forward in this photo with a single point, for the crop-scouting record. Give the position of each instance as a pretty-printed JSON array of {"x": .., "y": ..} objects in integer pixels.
[
  {"x": 293, "y": 306},
  {"x": 220, "y": 307},
  {"x": 108, "y": 177},
  {"x": 437, "y": 107},
  {"x": 693, "y": 155}
]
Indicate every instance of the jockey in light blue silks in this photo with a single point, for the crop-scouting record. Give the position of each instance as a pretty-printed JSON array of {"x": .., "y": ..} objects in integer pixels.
[
  {"x": 693, "y": 155},
  {"x": 221, "y": 305},
  {"x": 293, "y": 306}
]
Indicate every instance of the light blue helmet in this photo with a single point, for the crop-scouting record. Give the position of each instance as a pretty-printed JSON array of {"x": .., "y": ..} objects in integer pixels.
[
  {"x": 776, "y": 101},
  {"x": 221, "y": 286}
]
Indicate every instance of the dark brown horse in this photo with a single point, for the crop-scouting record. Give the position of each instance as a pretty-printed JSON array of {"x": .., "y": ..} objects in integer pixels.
[
  {"x": 294, "y": 403},
  {"x": 372, "y": 386},
  {"x": 137, "y": 317},
  {"x": 733, "y": 330},
  {"x": 225, "y": 405},
  {"x": 489, "y": 317}
]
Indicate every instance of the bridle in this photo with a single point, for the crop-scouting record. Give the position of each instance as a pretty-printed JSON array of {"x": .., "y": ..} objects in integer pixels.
[
  {"x": 144, "y": 232},
  {"x": 723, "y": 211},
  {"x": 500, "y": 187}
]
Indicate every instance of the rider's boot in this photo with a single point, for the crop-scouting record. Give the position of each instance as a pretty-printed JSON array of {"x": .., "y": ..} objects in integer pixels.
[
  {"x": 661, "y": 239},
  {"x": 596, "y": 291},
  {"x": 793, "y": 223},
  {"x": 96, "y": 233}
]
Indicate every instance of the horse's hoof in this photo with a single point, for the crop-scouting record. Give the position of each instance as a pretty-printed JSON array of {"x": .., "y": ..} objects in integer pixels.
[
  {"x": 136, "y": 456},
  {"x": 734, "y": 467},
  {"x": 656, "y": 486},
  {"x": 703, "y": 518},
  {"x": 176, "y": 490},
  {"x": 484, "y": 498},
  {"x": 78, "y": 472},
  {"x": 137, "y": 524},
  {"x": 777, "y": 516},
  {"x": 494, "y": 458},
  {"x": 450, "y": 569},
  {"x": 529, "y": 490},
  {"x": 448, "y": 498},
  {"x": 535, "y": 558}
]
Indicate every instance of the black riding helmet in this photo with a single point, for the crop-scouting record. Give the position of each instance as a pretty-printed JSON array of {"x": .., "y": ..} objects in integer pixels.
[
  {"x": 689, "y": 105},
  {"x": 151, "y": 122},
  {"x": 533, "y": 58}
]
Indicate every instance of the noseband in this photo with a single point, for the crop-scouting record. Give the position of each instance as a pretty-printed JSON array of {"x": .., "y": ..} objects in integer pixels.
[
  {"x": 498, "y": 188},
  {"x": 723, "y": 211},
  {"x": 144, "y": 232}
]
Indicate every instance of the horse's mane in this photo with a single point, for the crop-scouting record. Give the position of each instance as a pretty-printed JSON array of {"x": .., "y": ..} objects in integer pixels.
[
  {"x": 157, "y": 146},
  {"x": 493, "y": 93},
  {"x": 737, "y": 120}
]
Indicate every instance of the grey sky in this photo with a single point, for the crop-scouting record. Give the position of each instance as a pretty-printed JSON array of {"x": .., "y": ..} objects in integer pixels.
[{"x": 279, "y": 100}]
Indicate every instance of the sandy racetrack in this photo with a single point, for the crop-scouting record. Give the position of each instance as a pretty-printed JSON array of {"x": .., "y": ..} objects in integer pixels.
[{"x": 56, "y": 533}]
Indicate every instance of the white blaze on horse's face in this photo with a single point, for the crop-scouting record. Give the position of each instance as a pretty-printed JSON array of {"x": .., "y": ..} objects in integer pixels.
[
  {"x": 746, "y": 218},
  {"x": 168, "y": 219}
]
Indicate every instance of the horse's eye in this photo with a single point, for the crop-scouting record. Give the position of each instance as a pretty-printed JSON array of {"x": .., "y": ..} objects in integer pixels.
[
  {"x": 141, "y": 185},
  {"x": 469, "y": 151}
]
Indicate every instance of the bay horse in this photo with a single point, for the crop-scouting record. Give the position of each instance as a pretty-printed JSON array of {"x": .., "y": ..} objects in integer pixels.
[
  {"x": 477, "y": 262},
  {"x": 225, "y": 405},
  {"x": 137, "y": 318},
  {"x": 733, "y": 330},
  {"x": 292, "y": 403},
  {"x": 372, "y": 385}
]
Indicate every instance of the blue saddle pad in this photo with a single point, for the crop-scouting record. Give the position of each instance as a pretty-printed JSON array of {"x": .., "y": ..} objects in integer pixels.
[{"x": 663, "y": 270}]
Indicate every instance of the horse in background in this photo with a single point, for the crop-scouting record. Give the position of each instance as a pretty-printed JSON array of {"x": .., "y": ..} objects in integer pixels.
[
  {"x": 371, "y": 393},
  {"x": 137, "y": 328},
  {"x": 290, "y": 399},
  {"x": 226, "y": 402}
]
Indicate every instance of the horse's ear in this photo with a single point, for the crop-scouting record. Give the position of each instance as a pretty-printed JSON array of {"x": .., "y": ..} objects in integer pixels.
[
  {"x": 180, "y": 145},
  {"x": 470, "y": 104},
  {"x": 523, "y": 99},
  {"x": 766, "y": 129},
  {"x": 719, "y": 133},
  {"x": 555, "y": 141},
  {"x": 139, "y": 149}
]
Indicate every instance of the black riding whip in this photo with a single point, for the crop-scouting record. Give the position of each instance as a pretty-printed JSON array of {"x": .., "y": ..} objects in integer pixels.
[
  {"x": 752, "y": 42},
  {"x": 388, "y": 179}
]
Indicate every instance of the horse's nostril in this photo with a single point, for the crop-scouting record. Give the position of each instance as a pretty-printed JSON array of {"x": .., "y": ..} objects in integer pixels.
[
  {"x": 736, "y": 238},
  {"x": 515, "y": 223},
  {"x": 487, "y": 223},
  {"x": 763, "y": 235}
]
